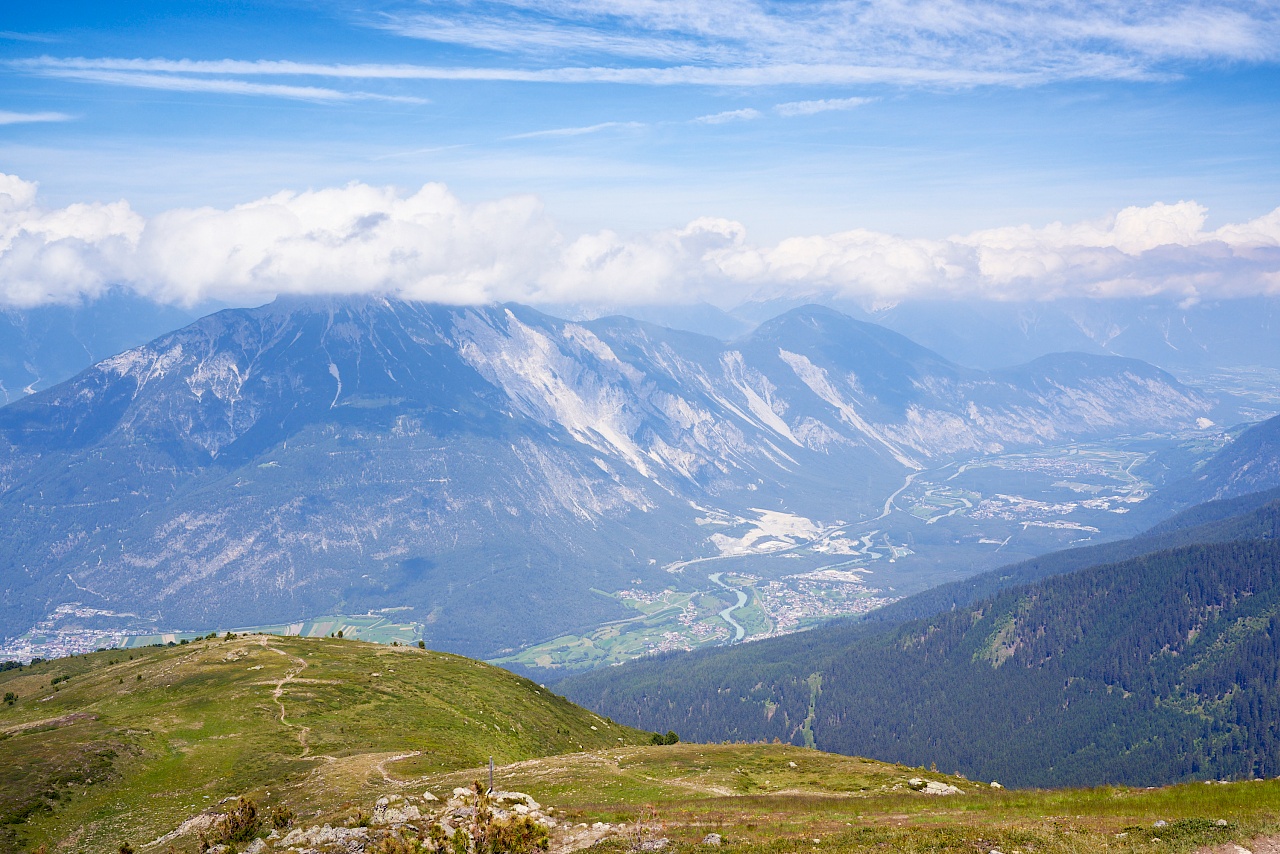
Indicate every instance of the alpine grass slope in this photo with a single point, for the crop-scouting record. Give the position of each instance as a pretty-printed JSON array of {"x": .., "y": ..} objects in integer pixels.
[{"x": 321, "y": 745}]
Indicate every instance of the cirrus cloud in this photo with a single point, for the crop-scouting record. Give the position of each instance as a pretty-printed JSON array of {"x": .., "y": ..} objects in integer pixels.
[
  {"x": 748, "y": 43},
  {"x": 9, "y": 117},
  {"x": 744, "y": 115},
  {"x": 824, "y": 105},
  {"x": 430, "y": 245}
]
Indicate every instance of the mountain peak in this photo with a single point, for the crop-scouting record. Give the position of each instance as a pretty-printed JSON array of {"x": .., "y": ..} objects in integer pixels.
[{"x": 837, "y": 333}]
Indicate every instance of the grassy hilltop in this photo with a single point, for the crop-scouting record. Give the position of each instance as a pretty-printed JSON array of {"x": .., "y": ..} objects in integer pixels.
[{"x": 130, "y": 744}]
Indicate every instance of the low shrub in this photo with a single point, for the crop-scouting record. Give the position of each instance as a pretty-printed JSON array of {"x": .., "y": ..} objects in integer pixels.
[{"x": 238, "y": 824}]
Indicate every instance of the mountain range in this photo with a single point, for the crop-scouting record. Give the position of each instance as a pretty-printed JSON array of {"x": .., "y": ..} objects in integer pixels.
[
  {"x": 1170, "y": 333},
  {"x": 44, "y": 345},
  {"x": 315, "y": 455}
]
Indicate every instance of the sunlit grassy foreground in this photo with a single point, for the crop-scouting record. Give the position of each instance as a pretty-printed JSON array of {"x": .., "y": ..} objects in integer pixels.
[
  {"x": 759, "y": 802},
  {"x": 124, "y": 746}
]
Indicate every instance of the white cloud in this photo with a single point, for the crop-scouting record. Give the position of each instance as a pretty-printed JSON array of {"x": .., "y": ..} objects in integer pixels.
[
  {"x": 430, "y": 245},
  {"x": 539, "y": 37},
  {"x": 744, "y": 115},
  {"x": 11, "y": 118},
  {"x": 1159, "y": 249},
  {"x": 64, "y": 254},
  {"x": 737, "y": 76},
  {"x": 222, "y": 86},
  {"x": 809, "y": 108},
  {"x": 10, "y": 35},
  {"x": 579, "y": 131}
]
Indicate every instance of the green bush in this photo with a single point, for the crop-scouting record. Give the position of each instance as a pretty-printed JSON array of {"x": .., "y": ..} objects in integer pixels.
[
  {"x": 487, "y": 835},
  {"x": 520, "y": 836},
  {"x": 239, "y": 824},
  {"x": 398, "y": 845},
  {"x": 281, "y": 816}
]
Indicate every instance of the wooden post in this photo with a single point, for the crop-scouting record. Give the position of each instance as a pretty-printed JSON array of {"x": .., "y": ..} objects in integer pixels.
[{"x": 490, "y": 773}]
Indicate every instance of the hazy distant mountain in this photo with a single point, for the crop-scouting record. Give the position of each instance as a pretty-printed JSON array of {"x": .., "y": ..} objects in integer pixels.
[
  {"x": 40, "y": 347},
  {"x": 985, "y": 334},
  {"x": 701, "y": 318},
  {"x": 485, "y": 467},
  {"x": 1250, "y": 463}
]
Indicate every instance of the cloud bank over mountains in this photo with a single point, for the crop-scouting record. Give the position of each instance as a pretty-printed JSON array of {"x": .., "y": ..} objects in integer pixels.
[{"x": 429, "y": 245}]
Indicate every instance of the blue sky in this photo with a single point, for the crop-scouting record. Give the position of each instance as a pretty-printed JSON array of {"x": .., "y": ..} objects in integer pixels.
[{"x": 917, "y": 119}]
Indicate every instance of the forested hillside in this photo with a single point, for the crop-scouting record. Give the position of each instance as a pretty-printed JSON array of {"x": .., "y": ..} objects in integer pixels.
[{"x": 1161, "y": 667}]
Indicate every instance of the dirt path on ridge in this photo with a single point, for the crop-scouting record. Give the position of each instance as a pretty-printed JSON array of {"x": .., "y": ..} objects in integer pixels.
[{"x": 278, "y": 693}]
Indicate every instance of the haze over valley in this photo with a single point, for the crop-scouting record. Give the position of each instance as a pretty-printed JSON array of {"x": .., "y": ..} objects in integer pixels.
[{"x": 621, "y": 488}]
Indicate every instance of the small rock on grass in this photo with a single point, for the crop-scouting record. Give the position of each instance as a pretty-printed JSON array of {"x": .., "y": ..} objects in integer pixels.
[{"x": 930, "y": 787}]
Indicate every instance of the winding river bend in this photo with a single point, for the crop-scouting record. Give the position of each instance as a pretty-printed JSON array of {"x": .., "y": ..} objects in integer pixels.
[{"x": 727, "y": 613}]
